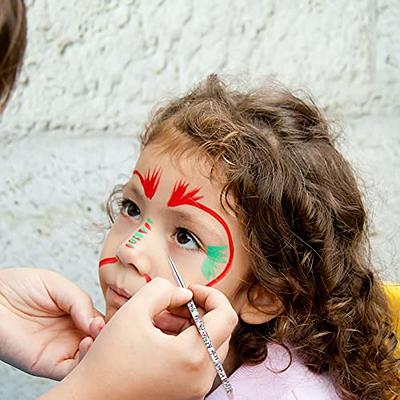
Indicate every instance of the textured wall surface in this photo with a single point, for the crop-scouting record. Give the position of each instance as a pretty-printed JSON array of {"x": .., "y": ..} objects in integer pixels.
[{"x": 95, "y": 68}]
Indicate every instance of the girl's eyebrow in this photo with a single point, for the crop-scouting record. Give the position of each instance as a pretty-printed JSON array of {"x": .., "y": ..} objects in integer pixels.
[
  {"x": 193, "y": 219},
  {"x": 149, "y": 181},
  {"x": 130, "y": 187}
]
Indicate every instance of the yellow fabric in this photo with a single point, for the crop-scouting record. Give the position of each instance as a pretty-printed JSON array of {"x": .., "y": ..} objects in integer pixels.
[{"x": 393, "y": 292}]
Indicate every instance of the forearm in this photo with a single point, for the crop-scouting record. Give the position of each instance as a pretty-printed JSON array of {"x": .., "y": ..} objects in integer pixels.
[
  {"x": 76, "y": 388},
  {"x": 98, "y": 382}
]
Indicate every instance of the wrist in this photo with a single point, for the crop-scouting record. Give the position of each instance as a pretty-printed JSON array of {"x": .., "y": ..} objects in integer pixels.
[{"x": 78, "y": 385}]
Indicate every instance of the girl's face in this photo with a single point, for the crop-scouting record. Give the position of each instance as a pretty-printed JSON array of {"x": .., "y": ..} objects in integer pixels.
[{"x": 171, "y": 210}]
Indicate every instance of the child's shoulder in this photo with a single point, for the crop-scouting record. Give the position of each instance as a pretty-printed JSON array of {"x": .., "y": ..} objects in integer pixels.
[{"x": 264, "y": 381}]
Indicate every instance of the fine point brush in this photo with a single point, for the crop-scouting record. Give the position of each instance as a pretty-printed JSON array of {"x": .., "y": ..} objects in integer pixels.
[{"x": 204, "y": 335}]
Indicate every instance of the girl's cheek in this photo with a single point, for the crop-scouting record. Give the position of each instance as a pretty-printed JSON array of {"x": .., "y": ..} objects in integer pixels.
[
  {"x": 109, "y": 246},
  {"x": 120, "y": 231},
  {"x": 188, "y": 264},
  {"x": 102, "y": 279},
  {"x": 123, "y": 225}
]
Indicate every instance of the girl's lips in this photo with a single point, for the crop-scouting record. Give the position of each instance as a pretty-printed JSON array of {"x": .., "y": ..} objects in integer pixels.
[
  {"x": 121, "y": 292},
  {"x": 118, "y": 296}
]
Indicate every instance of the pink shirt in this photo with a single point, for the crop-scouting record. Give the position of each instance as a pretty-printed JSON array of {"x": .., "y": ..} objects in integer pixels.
[{"x": 262, "y": 382}]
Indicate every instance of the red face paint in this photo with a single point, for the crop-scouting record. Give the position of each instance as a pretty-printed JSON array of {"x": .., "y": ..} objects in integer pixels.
[
  {"x": 179, "y": 197},
  {"x": 105, "y": 261},
  {"x": 149, "y": 182},
  {"x": 140, "y": 233},
  {"x": 114, "y": 260}
]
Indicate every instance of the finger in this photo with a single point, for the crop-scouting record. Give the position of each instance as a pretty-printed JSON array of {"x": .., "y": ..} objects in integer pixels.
[
  {"x": 223, "y": 349},
  {"x": 84, "y": 347},
  {"x": 70, "y": 298},
  {"x": 181, "y": 311},
  {"x": 64, "y": 368},
  {"x": 170, "y": 323},
  {"x": 209, "y": 298},
  {"x": 96, "y": 325},
  {"x": 97, "y": 313},
  {"x": 156, "y": 296},
  {"x": 220, "y": 318},
  {"x": 175, "y": 320}
]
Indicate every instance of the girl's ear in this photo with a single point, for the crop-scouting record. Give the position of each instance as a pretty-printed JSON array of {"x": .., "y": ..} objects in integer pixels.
[{"x": 259, "y": 306}]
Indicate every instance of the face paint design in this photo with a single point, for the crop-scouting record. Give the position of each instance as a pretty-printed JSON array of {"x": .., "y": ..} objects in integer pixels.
[
  {"x": 140, "y": 233},
  {"x": 149, "y": 182},
  {"x": 215, "y": 254},
  {"x": 143, "y": 230},
  {"x": 105, "y": 261},
  {"x": 114, "y": 260}
]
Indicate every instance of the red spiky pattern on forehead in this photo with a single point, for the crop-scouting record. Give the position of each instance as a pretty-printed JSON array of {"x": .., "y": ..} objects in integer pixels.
[
  {"x": 180, "y": 197},
  {"x": 149, "y": 182}
]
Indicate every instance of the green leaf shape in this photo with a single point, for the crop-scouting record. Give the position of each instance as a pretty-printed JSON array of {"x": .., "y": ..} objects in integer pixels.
[{"x": 215, "y": 255}]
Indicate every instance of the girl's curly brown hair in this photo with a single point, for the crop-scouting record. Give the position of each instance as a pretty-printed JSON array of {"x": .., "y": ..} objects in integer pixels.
[
  {"x": 12, "y": 45},
  {"x": 306, "y": 228}
]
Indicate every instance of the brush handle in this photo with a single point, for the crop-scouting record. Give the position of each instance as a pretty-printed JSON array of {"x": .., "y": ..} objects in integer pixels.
[{"x": 210, "y": 348}]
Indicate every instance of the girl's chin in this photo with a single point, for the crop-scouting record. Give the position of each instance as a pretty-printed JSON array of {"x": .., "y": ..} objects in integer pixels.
[{"x": 110, "y": 311}]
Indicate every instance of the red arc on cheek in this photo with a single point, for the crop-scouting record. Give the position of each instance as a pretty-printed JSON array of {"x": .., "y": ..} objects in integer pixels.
[
  {"x": 179, "y": 197},
  {"x": 105, "y": 261},
  {"x": 149, "y": 182},
  {"x": 114, "y": 260}
]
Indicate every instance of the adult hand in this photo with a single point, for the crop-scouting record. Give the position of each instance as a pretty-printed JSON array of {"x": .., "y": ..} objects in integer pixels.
[
  {"x": 132, "y": 359},
  {"x": 43, "y": 319}
]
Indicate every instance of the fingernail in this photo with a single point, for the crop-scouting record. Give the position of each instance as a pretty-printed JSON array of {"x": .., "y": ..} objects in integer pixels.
[{"x": 187, "y": 292}]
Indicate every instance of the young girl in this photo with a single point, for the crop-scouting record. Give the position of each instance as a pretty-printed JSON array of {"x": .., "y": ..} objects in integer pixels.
[{"x": 247, "y": 192}]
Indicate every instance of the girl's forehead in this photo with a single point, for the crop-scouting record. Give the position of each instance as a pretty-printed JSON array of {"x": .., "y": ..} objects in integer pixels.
[
  {"x": 164, "y": 172},
  {"x": 171, "y": 169}
]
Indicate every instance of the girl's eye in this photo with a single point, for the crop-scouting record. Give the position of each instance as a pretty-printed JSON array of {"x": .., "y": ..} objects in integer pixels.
[
  {"x": 186, "y": 240},
  {"x": 130, "y": 209}
]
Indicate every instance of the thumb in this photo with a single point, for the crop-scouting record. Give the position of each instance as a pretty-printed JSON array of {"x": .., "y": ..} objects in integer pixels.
[
  {"x": 71, "y": 299},
  {"x": 170, "y": 323},
  {"x": 158, "y": 295}
]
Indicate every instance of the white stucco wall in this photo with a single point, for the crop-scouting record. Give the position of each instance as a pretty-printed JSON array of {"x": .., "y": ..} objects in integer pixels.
[{"x": 95, "y": 68}]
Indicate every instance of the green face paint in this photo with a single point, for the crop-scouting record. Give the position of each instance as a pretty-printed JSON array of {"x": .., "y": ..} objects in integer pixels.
[
  {"x": 140, "y": 233},
  {"x": 215, "y": 255}
]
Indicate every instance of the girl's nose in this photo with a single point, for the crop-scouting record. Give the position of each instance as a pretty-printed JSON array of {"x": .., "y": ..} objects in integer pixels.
[
  {"x": 136, "y": 259},
  {"x": 140, "y": 251}
]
